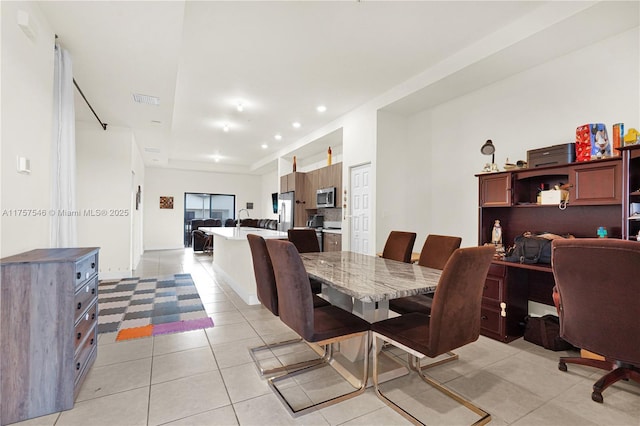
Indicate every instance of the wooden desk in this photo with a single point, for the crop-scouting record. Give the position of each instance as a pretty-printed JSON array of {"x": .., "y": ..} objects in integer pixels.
[{"x": 508, "y": 288}]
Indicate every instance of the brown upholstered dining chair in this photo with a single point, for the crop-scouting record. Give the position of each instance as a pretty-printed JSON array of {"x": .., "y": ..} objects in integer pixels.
[
  {"x": 268, "y": 297},
  {"x": 399, "y": 246},
  {"x": 453, "y": 323},
  {"x": 306, "y": 241},
  {"x": 598, "y": 282},
  {"x": 435, "y": 253},
  {"x": 323, "y": 325}
]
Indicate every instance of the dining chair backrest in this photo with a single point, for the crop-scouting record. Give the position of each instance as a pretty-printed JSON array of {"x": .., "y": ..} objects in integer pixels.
[
  {"x": 263, "y": 270},
  {"x": 399, "y": 246},
  {"x": 295, "y": 299},
  {"x": 455, "y": 312},
  {"x": 437, "y": 249},
  {"x": 305, "y": 240}
]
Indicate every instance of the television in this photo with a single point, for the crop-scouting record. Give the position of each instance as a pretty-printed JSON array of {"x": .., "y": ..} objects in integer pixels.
[{"x": 274, "y": 202}]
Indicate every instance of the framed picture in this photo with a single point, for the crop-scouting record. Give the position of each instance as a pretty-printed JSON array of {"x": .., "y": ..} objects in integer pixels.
[{"x": 166, "y": 202}]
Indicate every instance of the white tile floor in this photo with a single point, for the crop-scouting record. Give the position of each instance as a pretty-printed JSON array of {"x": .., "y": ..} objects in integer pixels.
[{"x": 206, "y": 377}]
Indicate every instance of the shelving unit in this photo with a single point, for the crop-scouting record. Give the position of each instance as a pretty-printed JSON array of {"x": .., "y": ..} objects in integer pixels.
[{"x": 631, "y": 191}]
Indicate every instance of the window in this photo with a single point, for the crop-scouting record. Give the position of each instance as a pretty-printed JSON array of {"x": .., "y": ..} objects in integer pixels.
[{"x": 206, "y": 206}]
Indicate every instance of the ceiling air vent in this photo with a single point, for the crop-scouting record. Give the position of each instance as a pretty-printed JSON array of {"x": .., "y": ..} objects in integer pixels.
[{"x": 146, "y": 99}]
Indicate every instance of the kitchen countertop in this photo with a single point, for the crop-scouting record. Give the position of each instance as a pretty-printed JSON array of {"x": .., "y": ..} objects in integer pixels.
[
  {"x": 235, "y": 233},
  {"x": 332, "y": 231}
]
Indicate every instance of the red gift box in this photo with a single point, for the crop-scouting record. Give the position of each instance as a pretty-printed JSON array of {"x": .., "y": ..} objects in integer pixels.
[
  {"x": 583, "y": 143},
  {"x": 592, "y": 142}
]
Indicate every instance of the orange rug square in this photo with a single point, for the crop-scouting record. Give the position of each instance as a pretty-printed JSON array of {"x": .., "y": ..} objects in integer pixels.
[{"x": 135, "y": 332}]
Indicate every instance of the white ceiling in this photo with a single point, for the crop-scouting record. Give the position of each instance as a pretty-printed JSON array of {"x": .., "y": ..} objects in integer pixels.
[{"x": 281, "y": 59}]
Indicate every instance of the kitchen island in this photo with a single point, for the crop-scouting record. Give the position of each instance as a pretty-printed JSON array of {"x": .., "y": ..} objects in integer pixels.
[{"x": 232, "y": 256}]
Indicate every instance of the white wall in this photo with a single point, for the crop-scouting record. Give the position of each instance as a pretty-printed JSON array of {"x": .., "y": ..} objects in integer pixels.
[
  {"x": 536, "y": 108},
  {"x": 105, "y": 187},
  {"x": 359, "y": 147},
  {"x": 270, "y": 184},
  {"x": 163, "y": 228},
  {"x": 27, "y": 100},
  {"x": 395, "y": 161},
  {"x": 137, "y": 216}
]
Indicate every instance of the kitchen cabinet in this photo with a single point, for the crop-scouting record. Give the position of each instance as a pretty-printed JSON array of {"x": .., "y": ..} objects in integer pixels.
[
  {"x": 49, "y": 324},
  {"x": 311, "y": 185},
  {"x": 332, "y": 242},
  {"x": 292, "y": 181},
  {"x": 330, "y": 176}
]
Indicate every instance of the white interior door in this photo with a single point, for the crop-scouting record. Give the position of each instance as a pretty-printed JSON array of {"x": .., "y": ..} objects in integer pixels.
[{"x": 360, "y": 208}]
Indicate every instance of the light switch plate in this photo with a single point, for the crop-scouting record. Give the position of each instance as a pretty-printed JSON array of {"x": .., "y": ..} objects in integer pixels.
[{"x": 24, "y": 165}]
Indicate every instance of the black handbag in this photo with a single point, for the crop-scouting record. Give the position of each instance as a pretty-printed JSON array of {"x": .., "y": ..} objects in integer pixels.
[
  {"x": 530, "y": 249},
  {"x": 545, "y": 331}
]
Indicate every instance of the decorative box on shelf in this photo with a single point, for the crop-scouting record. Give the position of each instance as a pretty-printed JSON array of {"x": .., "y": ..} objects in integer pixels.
[{"x": 553, "y": 196}]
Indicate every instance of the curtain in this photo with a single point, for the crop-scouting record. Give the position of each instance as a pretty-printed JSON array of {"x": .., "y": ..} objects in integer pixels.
[{"x": 63, "y": 155}]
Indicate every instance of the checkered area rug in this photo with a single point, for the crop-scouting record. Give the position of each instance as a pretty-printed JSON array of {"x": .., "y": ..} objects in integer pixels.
[{"x": 140, "y": 307}]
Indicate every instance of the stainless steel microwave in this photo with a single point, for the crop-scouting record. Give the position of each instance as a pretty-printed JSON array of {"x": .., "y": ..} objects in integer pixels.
[{"x": 326, "y": 197}]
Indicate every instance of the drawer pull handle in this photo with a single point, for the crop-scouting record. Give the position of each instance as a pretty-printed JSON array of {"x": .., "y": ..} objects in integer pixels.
[
  {"x": 93, "y": 290},
  {"x": 78, "y": 275},
  {"x": 79, "y": 305},
  {"x": 78, "y": 336},
  {"x": 78, "y": 366},
  {"x": 93, "y": 316},
  {"x": 503, "y": 309},
  {"x": 93, "y": 265},
  {"x": 91, "y": 343},
  {"x": 486, "y": 287},
  {"x": 484, "y": 317}
]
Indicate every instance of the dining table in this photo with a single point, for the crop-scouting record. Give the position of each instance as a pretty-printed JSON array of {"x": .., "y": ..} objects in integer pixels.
[{"x": 364, "y": 284}]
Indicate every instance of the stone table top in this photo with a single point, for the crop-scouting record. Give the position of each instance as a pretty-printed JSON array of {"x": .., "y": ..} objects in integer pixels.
[{"x": 370, "y": 278}]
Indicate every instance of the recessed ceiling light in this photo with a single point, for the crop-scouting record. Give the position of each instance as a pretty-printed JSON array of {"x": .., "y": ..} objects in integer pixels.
[
  {"x": 321, "y": 108},
  {"x": 146, "y": 99},
  {"x": 217, "y": 159},
  {"x": 264, "y": 146},
  {"x": 278, "y": 136},
  {"x": 296, "y": 124},
  {"x": 225, "y": 127},
  {"x": 240, "y": 107}
]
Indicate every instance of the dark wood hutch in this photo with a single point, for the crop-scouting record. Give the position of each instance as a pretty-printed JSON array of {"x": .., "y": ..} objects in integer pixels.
[{"x": 600, "y": 194}]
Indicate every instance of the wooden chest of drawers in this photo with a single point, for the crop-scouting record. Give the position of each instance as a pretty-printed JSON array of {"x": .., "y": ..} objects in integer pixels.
[{"x": 48, "y": 329}]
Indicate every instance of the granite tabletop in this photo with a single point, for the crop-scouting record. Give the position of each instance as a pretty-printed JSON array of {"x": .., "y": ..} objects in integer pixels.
[{"x": 370, "y": 278}]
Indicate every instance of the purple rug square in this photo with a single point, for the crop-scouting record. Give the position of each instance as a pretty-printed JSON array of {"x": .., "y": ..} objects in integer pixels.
[{"x": 180, "y": 326}]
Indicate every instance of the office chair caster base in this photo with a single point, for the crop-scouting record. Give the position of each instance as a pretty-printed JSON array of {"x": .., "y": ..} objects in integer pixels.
[{"x": 597, "y": 397}]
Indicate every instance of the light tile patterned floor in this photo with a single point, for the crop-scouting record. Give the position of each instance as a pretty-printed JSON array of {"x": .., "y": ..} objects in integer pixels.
[{"x": 206, "y": 377}]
